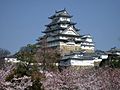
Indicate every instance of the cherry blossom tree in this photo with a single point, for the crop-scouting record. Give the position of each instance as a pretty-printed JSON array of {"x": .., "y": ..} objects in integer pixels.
[{"x": 83, "y": 79}]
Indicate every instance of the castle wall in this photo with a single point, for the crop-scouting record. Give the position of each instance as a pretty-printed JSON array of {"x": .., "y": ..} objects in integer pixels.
[{"x": 69, "y": 48}]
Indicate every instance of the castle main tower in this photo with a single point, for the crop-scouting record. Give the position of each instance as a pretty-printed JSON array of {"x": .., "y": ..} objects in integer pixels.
[{"x": 61, "y": 33}]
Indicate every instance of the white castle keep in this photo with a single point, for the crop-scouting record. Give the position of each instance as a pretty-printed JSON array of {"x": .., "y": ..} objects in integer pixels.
[{"x": 61, "y": 33}]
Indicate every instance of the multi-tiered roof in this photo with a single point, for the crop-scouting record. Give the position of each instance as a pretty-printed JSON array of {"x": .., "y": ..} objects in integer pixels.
[
  {"x": 61, "y": 32},
  {"x": 58, "y": 19}
]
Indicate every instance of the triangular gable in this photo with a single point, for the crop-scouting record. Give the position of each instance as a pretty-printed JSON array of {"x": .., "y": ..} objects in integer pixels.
[
  {"x": 70, "y": 31},
  {"x": 62, "y": 12},
  {"x": 65, "y": 13}
]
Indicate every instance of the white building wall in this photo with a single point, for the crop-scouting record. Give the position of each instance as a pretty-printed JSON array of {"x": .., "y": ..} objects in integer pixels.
[
  {"x": 13, "y": 60},
  {"x": 69, "y": 43},
  {"x": 89, "y": 40},
  {"x": 64, "y": 19},
  {"x": 97, "y": 60},
  {"x": 63, "y": 37},
  {"x": 84, "y": 43},
  {"x": 82, "y": 63},
  {"x": 87, "y": 47},
  {"x": 64, "y": 25},
  {"x": 104, "y": 56}
]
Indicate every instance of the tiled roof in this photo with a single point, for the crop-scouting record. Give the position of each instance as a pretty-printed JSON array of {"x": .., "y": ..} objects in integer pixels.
[
  {"x": 61, "y": 13},
  {"x": 80, "y": 56},
  {"x": 61, "y": 22}
]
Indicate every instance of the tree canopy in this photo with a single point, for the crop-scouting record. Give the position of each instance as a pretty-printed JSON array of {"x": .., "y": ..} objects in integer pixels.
[{"x": 4, "y": 52}]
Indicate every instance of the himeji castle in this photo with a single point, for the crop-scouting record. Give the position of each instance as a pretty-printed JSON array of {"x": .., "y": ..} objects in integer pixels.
[{"x": 62, "y": 33}]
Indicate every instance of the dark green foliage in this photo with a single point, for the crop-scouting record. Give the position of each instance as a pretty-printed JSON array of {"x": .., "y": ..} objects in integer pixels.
[
  {"x": 26, "y": 66},
  {"x": 115, "y": 63},
  {"x": 9, "y": 77},
  {"x": 36, "y": 79},
  {"x": 28, "y": 62},
  {"x": 37, "y": 85},
  {"x": 3, "y": 53},
  {"x": 22, "y": 69},
  {"x": 25, "y": 69},
  {"x": 26, "y": 54},
  {"x": 49, "y": 58},
  {"x": 112, "y": 61},
  {"x": 2, "y": 63}
]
